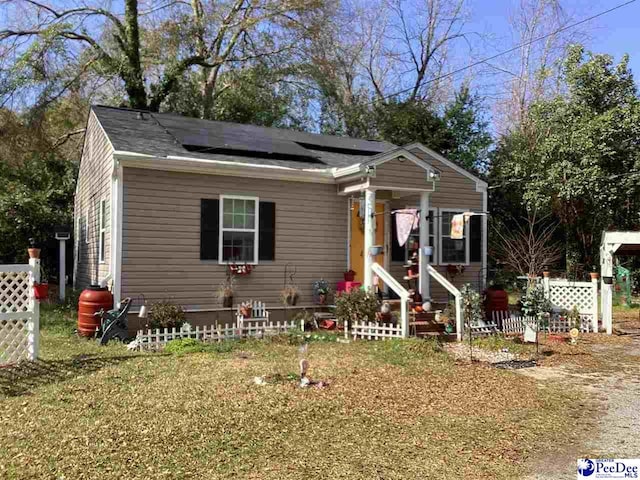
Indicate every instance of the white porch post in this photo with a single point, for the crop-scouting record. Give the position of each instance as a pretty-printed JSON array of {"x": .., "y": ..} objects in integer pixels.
[
  {"x": 594, "y": 307},
  {"x": 62, "y": 269},
  {"x": 369, "y": 235},
  {"x": 424, "y": 285},
  {"x": 606, "y": 270}
]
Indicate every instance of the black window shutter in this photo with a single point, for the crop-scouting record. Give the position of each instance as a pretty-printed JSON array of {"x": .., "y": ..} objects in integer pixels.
[
  {"x": 209, "y": 229},
  {"x": 475, "y": 238},
  {"x": 397, "y": 251},
  {"x": 267, "y": 231}
]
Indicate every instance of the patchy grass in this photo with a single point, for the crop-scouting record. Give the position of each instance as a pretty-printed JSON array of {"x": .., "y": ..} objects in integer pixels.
[{"x": 395, "y": 409}]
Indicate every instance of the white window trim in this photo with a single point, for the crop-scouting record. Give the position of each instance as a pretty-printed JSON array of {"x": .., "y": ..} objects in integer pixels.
[
  {"x": 255, "y": 230},
  {"x": 466, "y": 236},
  {"x": 102, "y": 230}
]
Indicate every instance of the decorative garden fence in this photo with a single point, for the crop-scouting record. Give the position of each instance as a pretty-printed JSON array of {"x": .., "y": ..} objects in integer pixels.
[
  {"x": 565, "y": 294},
  {"x": 155, "y": 339},
  {"x": 375, "y": 331},
  {"x": 19, "y": 312},
  {"x": 513, "y": 323}
]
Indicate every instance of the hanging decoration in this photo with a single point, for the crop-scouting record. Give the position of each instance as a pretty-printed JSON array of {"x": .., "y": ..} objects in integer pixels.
[{"x": 406, "y": 220}]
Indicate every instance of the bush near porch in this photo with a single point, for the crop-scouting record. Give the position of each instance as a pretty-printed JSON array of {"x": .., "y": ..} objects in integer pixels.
[{"x": 394, "y": 409}]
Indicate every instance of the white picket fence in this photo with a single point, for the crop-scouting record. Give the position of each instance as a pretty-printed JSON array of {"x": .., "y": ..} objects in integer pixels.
[
  {"x": 19, "y": 312},
  {"x": 511, "y": 323},
  {"x": 156, "y": 339},
  {"x": 375, "y": 331}
]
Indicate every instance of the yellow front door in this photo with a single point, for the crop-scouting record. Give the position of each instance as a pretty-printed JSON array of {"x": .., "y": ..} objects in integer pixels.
[{"x": 356, "y": 245}]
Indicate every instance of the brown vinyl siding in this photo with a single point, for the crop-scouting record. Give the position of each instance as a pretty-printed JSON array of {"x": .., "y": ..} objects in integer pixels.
[
  {"x": 161, "y": 237},
  {"x": 94, "y": 184},
  {"x": 401, "y": 174},
  {"x": 454, "y": 191}
]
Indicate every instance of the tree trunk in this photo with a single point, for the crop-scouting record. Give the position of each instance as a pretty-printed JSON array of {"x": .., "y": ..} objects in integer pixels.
[{"x": 132, "y": 75}]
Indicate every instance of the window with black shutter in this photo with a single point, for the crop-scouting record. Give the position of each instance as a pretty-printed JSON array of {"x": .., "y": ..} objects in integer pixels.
[
  {"x": 209, "y": 229},
  {"x": 475, "y": 238},
  {"x": 267, "y": 231}
]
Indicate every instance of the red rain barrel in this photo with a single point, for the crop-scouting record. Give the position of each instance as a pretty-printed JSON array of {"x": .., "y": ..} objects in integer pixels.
[
  {"x": 497, "y": 300},
  {"x": 92, "y": 299}
]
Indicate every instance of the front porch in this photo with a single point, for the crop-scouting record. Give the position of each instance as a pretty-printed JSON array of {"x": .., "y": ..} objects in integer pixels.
[{"x": 416, "y": 271}]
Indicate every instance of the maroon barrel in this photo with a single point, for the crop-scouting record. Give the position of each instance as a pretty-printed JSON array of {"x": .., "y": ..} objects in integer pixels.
[{"x": 92, "y": 300}]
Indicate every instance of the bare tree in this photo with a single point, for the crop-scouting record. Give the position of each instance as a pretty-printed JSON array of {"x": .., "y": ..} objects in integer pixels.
[
  {"x": 533, "y": 73},
  {"x": 209, "y": 36},
  {"x": 529, "y": 247}
]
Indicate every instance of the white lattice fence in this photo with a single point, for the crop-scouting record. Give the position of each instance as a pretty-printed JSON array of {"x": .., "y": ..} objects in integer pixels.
[
  {"x": 515, "y": 324},
  {"x": 375, "y": 331},
  {"x": 565, "y": 294},
  {"x": 155, "y": 339},
  {"x": 19, "y": 312}
]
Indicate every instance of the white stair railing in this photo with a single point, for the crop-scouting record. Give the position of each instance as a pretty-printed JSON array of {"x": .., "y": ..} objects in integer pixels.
[
  {"x": 402, "y": 292},
  {"x": 458, "y": 298}
]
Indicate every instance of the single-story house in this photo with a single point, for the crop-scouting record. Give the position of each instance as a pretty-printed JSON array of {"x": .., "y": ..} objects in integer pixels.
[{"x": 164, "y": 203}]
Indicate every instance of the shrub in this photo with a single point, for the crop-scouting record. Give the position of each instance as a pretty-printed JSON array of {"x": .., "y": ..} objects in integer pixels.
[
  {"x": 357, "y": 305},
  {"x": 184, "y": 345},
  {"x": 166, "y": 314}
]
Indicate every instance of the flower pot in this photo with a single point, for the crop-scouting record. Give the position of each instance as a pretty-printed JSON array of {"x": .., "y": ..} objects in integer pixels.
[
  {"x": 291, "y": 300},
  {"x": 245, "y": 312},
  {"x": 41, "y": 291},
  {"x": 594, "y": 275},
  {"x": 227, "y": 302},
  {"x": 376, "y": 250},
  {"x": 607, "y": 280},
  {"x": 34, "y": 252},
  {"x": 448, "y": 328},
  {"x": 544, "y": 274},
  {"x": 349, "y": 276}
]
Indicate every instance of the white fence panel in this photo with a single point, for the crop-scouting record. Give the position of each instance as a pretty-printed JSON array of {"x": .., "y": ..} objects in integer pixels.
[
  {"x": 19, "y": 312},
  {"x": 156, "y": 339},
  {"x": 375, "y": 331}
]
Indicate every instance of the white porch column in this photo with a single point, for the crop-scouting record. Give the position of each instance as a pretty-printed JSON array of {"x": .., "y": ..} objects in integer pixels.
[
  {"x": 62, "y": 268},
  {"x": 369, "y": 235},
  {"x": 424, "y": 284},
  {"x": 606, "y": 270}
]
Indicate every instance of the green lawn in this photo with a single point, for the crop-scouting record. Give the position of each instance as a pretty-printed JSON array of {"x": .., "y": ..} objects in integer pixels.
[{"x": 396, "y": 409}]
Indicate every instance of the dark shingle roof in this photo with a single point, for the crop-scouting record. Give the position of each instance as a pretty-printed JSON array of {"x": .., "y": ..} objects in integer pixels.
[{"x": 165, "y": 134}]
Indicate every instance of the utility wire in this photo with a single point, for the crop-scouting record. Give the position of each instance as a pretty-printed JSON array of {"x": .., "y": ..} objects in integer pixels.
[{"x": 513, "y": 49}]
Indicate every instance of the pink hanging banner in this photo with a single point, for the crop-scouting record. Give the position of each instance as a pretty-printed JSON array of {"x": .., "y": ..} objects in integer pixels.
[{"x": 406, "y": 220}]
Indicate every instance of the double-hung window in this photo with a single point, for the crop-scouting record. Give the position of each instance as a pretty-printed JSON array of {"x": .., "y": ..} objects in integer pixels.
[
  {"x": 452, "y": 250},
  {"x": 239, "y": 232},
  {"x": 102, "y": 230},
  {"x": 403, "y": 253}
]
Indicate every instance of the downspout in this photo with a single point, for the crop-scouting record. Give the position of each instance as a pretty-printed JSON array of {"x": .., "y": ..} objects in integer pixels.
[{"x": 115, "y": 267}]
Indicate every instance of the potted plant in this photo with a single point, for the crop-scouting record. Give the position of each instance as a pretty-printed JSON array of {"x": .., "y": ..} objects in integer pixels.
[
  {"x": 34, "y": 252},
  {"x": 289, "y": 295},
  {"x": 349, "y": 276},
  {"x": 454, "y": 270},
  {"x": 226, "y": 290},
  {"x": 321, "y": 291},
  {"x": 594, "y": 274},
  {"x": 41, "y": 289}
]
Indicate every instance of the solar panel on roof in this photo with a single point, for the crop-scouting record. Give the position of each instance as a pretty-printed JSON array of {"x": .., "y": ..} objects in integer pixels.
[{"x": 208, "y": 137}]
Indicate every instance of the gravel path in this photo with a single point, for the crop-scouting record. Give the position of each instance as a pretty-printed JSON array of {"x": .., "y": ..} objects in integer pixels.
[{"x": 616, "y": 389}]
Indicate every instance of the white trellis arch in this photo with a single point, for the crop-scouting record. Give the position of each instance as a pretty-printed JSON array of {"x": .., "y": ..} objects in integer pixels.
[
  {"x": 613, "y": 243},
  {"x": 19, "y": 312}
]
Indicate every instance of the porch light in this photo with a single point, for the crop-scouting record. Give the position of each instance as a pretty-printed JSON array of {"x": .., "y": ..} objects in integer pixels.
[{"x": 434, "y": 175}]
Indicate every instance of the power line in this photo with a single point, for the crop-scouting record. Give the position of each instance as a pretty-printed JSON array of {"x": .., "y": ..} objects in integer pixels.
[{"x": 513, "y": 49}]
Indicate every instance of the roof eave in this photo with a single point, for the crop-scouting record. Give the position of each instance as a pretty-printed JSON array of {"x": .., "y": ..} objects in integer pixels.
[{"x": 222, "y": 167}]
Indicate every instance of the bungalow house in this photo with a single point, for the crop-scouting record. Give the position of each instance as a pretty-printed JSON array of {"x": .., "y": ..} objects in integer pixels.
[{"x": 165, "y": 203}]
